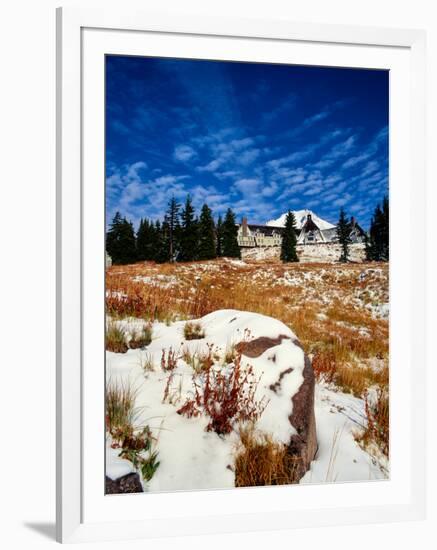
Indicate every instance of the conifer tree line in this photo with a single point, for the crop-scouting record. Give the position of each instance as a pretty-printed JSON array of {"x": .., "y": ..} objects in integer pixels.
[{"x": 180, "y": 236}]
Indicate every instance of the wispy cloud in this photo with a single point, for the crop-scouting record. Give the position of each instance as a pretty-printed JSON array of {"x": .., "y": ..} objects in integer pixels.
[{"x": 184, "y": 153}]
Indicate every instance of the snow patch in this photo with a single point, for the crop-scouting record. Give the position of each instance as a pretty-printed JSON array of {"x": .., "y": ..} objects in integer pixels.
[{"x": 191, "y": 458}]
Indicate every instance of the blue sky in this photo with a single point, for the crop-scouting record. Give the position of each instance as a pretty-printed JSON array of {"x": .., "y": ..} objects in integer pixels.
[{"x": 259, "y": 138}]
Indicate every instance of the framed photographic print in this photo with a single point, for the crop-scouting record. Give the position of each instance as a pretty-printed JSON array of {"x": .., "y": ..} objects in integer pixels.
[{"x": 240, "y": 275}]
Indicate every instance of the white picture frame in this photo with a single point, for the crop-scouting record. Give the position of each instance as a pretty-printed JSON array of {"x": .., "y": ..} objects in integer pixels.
[{"x": 83, "y": 38}]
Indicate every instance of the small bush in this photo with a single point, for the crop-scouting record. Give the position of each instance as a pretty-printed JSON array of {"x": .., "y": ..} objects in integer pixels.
[
  {"x": 193, "y": 331},
  {"x": 133, "y": 448},
  {"x": 225, "y": 396},
  {"x": 262, "y": 461},
  {"x": 143, "y": 338},
  {"x": 115, "y": 339}
]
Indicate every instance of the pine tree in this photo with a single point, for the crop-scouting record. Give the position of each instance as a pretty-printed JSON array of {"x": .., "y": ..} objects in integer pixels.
[
  {"x": 188, "y": 233},
  {"x": 120, "y": 241},
  {"x": 140, "y": 238},
  {"x": 230, "y": 232},
  {"x": 385, "y": 230},
  {"x": 145, "y": 240},
  {"x": 219, "y": 237},
  {"x": 288, "y": 246},
  {"x": 129, "y": 243},
  {"x": 113, "y": 247},
  {"x": 378, "y": 242},
  {"x": 162, "y": 242},
  {"x": 373, "y": 251},
  {"x": 172, "y": 219},
  {"x": 343, "y": 233},
  {"x": 207, "y": 247}
]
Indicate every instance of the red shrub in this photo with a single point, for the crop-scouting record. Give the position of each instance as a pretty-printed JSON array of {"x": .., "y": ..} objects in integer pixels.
[
  {"x": 325, "y": 367},
  {"x": 226, "y": 396}
]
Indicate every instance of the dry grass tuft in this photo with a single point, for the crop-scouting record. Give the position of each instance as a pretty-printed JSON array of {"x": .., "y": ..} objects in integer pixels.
[
  {"x": 147, "y": 363},
  {"x": 378, "y": 421},
  {"x": 262, "y": 461},
  {"x": 199, "y": 360},
  {"x": 120, "y": 405},
  {"x": 115, "y": 339},
  {"x": 193, "y": 331},
  {"x": 143, "y": 338}
]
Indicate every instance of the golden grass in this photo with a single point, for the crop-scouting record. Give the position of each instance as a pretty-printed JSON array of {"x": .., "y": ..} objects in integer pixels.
[
  {"x": 346, "y": 329},
  {"x": 262, "y": 461},
  {"x": 328, "y": 306}
]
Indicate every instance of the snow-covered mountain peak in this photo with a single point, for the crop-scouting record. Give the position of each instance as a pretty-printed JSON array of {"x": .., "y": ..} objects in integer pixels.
[{"x": 301, "y": 217}]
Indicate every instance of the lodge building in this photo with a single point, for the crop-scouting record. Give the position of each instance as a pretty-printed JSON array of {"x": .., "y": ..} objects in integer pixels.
[{"x": 251, "y": 235}]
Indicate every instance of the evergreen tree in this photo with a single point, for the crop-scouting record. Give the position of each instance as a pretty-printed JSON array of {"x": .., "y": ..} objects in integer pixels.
[
  {"x": 377, "y": 248},
  {"x": 343, "y": 233},
  {"x": 288, "y": 246},
  {"x": 230, "y": 232},
  {"x": 172, "y": 222},
  {"x": 219, "y": 237},
  {"x": 374, "y": 248},
  {"x": 162, "y": 242},
  {"x": 207, "y": 247},
  {"x": 367, "y": 246},
  {"x": 146, "y": 240},
  {"x": 188, "y": 233},
  {"x": 140, "y": 239},
  {"x": 385, "y": 230},
  {"x": 113, "y": 247},
  {"x": 120, "y": 241}
]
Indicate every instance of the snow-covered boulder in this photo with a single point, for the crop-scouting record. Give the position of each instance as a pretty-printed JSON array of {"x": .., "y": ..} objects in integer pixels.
[
  {"x": 303, "y": 443},
  {"x": 191, "y": 455}
]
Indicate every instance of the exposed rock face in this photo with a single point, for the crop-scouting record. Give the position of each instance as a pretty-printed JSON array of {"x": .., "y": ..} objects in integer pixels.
[
  {"x": 129, "y": 483},
  {"x": 255, "y": 348},
  {"x": 303, "y": 445}
]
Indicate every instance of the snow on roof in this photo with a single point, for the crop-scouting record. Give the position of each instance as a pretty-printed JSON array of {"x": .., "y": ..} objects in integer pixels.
[{"x": 301, "y": 217}]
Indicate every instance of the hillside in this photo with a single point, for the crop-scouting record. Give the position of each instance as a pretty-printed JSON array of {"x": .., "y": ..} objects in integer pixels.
[{"x": 169, "y": 324}]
